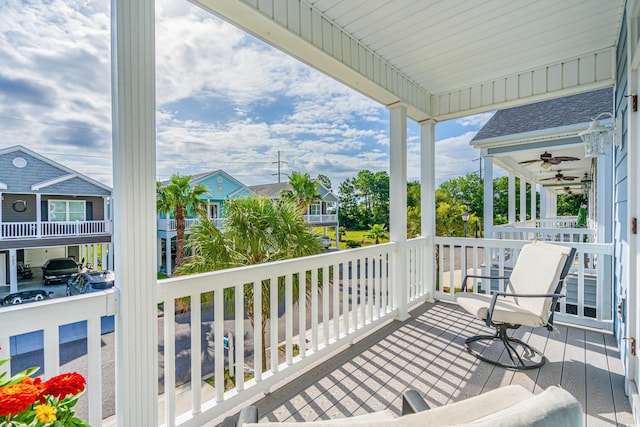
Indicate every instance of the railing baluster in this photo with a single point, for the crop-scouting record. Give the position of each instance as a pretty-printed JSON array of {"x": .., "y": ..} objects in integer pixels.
[
  {"x": 325, "y": 306},
  {"x": 302, "y": 317},
  {"x": 273, "y": 301},
  {"x": 218, "y": 325},
  {"x": 94, "y": 369},
  {"x": 370, "y": 290},
  {"x": 239, "y": 344},
  {"x": 257, "y": 330},
  {"x": 452, "y": 259},
  {"x": 314, "y": 309},
  {"x": 288, "y": 313},
  {"x": 336, "y": 296},
  {"x": 196, "y": 353},
  {"x": 170, "y": 361}
]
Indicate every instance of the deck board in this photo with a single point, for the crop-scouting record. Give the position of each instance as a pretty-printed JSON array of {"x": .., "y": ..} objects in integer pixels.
[{"x": 427, "y": 353}]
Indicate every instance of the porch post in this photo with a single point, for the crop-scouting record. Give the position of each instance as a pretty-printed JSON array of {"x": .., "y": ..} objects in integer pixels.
[
  {"x": 134, "y": 164},
  {"x": 398, "y": 202},
  {"x": 167, "y": 255},
  {"x": 488, "y": 197},
  {"x": 13, "y": 270},
  {"x": 523, "y": 200},
  {"x": 543, "y": 203},
  {"x": 38, "y": 215},
  {"x": 533, "y": 201},
  {"x": 428, "y": 200},
  {"x": 512, "y": 197}
]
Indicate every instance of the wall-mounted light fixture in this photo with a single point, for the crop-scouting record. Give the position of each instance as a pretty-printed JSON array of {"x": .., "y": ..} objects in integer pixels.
[
  {"x": 597, "y": 136},
  {"x": 586, "y": 182}
]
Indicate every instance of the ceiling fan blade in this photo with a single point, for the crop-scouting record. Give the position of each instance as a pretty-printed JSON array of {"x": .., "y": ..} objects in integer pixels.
[
  {"x": 569, "y": 178},
  {"x": 565, "y": 159},
  {"x": 555, "y": 161},
  {"x": 547, "y": 179},
  {"x": 528, "y": 162}
]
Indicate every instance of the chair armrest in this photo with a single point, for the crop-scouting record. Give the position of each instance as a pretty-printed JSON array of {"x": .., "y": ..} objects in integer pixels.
[
  {"x": 477, "y": 276},
  {"x": 412, "y": 402},
  {"x": 495, "y": 295},
  {"x": 248, "y": 414}
]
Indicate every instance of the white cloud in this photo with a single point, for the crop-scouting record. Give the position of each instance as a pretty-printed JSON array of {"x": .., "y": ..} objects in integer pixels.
[{"x": 477, "y": 120}]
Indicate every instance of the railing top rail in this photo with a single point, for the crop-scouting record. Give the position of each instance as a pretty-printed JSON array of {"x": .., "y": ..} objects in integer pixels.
[
  {"x": 510, "y": 229},
  {"x": 177, "y": 287},
  {"x": 594, "y": 248},
  {"x": 24, "y": 318}
]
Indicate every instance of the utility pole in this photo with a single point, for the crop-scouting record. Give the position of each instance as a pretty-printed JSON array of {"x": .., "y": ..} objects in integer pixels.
[{"x": 279, "y": 162}]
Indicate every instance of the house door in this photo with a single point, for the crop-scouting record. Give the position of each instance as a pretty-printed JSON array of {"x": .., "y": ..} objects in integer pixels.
[{"x": 214, "y": 210}]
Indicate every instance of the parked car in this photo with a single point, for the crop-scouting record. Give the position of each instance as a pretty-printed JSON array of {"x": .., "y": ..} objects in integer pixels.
[
  {"x": 325, "y": 241},
  {"x": 90, "y": 281},
  {"x": 23, "y": 296},
  {"x": 58, "y": 270}
]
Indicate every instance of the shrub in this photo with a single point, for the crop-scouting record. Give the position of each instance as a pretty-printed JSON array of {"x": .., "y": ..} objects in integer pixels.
[{"x": 353, "y": 244}]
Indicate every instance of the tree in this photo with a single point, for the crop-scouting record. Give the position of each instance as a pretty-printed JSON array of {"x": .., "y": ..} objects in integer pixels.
[
  {"x": 180, "y": 196},
  {"x": 256, "y": 230},
  {"x": 377, "y": 231},
  {"x": 324, "y": 180},
  {"x": 364, "y": 199},
  {"x": 303, "y": 190}
]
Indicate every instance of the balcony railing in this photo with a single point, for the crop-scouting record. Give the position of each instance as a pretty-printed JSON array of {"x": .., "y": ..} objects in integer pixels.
[
  {"x": 582, "y": 235},
  {"x": 46, "y": 229},
  {"x": 170, "y": 224},
  {"x": 588, "y": 289},
  {"x": 314, "y": 305},
  {"x": 321, "y": 219}
]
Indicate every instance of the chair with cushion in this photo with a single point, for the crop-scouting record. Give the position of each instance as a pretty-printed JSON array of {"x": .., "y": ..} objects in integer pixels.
[
  {"x": 511, "y": 406},
  {"x": 530, "y": 298}
]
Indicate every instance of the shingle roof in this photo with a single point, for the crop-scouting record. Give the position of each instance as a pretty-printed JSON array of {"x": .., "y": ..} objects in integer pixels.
[
  {"x": 555, "y": 113},
  {"x": 270, "y": 191}
]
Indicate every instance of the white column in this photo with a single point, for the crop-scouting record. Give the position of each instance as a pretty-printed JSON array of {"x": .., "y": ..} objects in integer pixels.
[
  {"x": 533, "y": 201},
  {"x": 159, "y": 251},
  {"x": 167, "y": 256},
  {"x": 13, "y": 271},
  {"x": 111, "y": 257},
  {"x": 552, "y": 204},
  {"x": 398, "y": 202},
  {"x": 543, "y": 203},
  {"x": 523, "y": 200},
  {"x": 488, "y": 197},
  {"x": 38, "y": 214},
  {"x": 134, "y": 163},
  {"x": 95, "y": 256},
  {"x": 428, "y": 199},
  {"x": 511, "y": 192}
]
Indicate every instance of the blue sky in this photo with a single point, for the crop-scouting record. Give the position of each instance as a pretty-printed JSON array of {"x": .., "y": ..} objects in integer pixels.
[{"x": 225, "y": 100}]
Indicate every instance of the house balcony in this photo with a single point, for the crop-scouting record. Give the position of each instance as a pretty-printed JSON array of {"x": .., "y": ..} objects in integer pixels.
[
  {"x": 51, "y": 229},
  {"x": 354, "y": 297}
]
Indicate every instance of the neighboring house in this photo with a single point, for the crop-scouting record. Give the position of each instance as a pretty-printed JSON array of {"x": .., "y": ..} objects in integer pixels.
[
  {"x": 49, "y": 211},
  {"x": 321, "y": 213},
  {"x": 222, "y": 187}
]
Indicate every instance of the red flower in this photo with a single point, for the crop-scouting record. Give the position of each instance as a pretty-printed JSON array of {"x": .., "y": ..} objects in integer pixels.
[
  {"x": 37, "y": 383},
  {"x": 17, "y": 397},
  {"x": 62, "y": 385}
]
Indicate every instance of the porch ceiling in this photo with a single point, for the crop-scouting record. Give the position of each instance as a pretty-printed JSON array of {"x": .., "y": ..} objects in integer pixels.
[{"x": 444, "y": 59}]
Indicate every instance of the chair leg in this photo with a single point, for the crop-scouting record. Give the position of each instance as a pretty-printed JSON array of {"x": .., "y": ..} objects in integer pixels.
[{"x": 518, "y": 362}]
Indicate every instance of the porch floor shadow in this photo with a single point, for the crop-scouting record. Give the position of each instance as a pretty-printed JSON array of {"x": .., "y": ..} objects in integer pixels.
[{"x": 427, "y": 353}]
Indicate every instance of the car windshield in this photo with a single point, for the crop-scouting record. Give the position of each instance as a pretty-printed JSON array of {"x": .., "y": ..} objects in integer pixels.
[{"x": 58, "y": 264}]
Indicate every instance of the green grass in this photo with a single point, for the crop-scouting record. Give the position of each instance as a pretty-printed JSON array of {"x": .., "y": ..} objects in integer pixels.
[
  {"x": 162, "y": 276},
  {"x": 358, "y": 236}
]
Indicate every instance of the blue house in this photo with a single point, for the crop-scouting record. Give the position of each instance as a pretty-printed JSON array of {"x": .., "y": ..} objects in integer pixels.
[{"x": 222, "y": 187}]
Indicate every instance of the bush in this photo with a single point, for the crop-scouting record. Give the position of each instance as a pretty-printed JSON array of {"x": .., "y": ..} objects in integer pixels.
[{"x": 353, "y": 244}]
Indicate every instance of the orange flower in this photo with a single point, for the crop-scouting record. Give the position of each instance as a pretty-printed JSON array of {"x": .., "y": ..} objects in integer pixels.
[
  {"x": 15, "y": 398},
  {"x": 62, "y": 385}
]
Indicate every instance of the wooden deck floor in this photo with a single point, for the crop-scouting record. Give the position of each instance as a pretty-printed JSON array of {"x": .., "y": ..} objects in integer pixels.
[{"x": 427, "y": 353}]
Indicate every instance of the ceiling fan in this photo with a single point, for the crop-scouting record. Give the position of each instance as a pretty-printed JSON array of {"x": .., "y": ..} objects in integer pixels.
[
  {"x": 548, "y": 160},
  {"x": 559, "y": 177}
]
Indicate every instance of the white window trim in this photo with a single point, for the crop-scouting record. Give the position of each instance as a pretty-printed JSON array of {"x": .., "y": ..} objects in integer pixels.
[{"x": 84, "y": 209}]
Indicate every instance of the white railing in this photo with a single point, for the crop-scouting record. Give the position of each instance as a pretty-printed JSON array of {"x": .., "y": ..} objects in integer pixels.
[
  {"x": 170, "y": 224},
  {"x": 319, "y": 219},
  {"x": 580, "y": 235},
  {"x": 589, "y": 292},
  {"x": 48, "y": 316},
  {"x": 45, "y": 229},
  {"x": 343, "y": 295}
]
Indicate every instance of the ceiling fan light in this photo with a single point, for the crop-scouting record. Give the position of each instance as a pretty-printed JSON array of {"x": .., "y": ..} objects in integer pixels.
[{"x": 546, "y": 165}]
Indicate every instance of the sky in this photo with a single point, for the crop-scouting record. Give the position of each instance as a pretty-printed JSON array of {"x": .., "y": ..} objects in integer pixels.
[{"x": 225, "y": 100}]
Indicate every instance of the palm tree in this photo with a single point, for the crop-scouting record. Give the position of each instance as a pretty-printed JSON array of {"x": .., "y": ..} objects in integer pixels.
[
  {"x": 377, "y": 231},
  {"x": 256, "y": 230},
  {"x": 180, "y": 196},
  {"x": 304, "y": 190}
]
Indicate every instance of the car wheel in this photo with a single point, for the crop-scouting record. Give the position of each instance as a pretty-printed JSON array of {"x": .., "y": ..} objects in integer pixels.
[
  {"x": 16, "y": 300},
  {"x": 39, "y": 297}
]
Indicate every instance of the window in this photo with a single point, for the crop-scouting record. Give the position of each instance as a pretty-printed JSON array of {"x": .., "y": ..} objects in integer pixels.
[
  {"x": 315, "y": 209},
  {"x": 67, "y": 210},
  {"x": 214, "y": 210}
]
